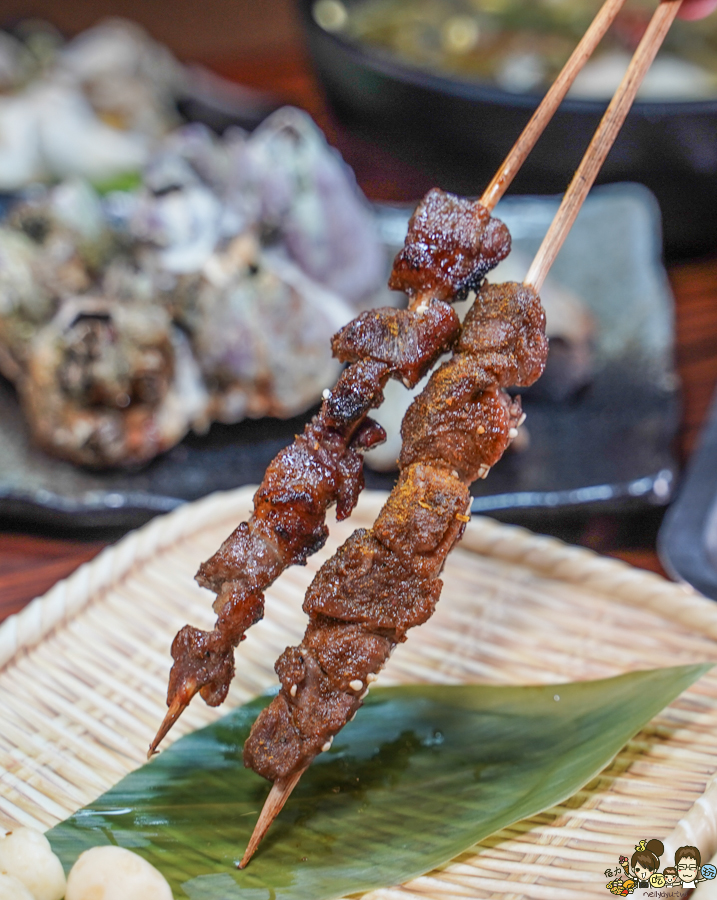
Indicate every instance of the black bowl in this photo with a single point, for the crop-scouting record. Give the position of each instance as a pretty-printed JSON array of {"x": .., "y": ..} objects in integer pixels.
[{"x": 458, "y": 133}]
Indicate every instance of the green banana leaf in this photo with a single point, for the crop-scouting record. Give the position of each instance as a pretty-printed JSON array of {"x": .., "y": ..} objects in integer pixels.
[{"x": 420, "y": 775}]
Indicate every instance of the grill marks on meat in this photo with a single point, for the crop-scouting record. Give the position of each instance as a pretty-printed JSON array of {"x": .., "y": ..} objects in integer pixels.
[
  {"x": 324, "y": 466},
  {"x": 385, "y": 580},
  {"x": 452, "y": 243}
]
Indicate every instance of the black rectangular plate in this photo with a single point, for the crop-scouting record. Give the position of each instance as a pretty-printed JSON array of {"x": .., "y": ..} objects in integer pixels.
[{"x": 609, "y": 447}]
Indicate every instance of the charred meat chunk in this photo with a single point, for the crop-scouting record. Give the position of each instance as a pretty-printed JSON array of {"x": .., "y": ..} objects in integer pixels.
[
  {"x": 244, "y": 558},
  {"x": 204, "y": 660},
  {"x": 505, "y": 330},
  {"x": 367, "y": 584},
  {"x": 347, "y": 653},
  {"x": 452, "y": 243},
  {"x": 409, "y": 341},
  {"x": 423, "y": 516},
  {"x": 470, "y": 435},
  {"x": 274, "y": 747}
]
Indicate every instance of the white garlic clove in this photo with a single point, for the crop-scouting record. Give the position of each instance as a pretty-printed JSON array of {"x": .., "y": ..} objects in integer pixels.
[
  {"x": 12, "y": 889},
  {"x": 26, "y": 854},
  {"x": 113, "y": 873}
]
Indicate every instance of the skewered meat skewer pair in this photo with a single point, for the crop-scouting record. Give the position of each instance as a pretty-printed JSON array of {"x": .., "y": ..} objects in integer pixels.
[
  {"x": 384, "y": 581},
  {"x": 418, "y": 522},
  {"x": 321, "y": 468},
  {"x": 253, "y": 557},
  {"x": 354, "y": 620}
]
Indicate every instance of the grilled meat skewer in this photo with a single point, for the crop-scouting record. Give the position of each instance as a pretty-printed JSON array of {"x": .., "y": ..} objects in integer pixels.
[{"x": 324, "y": 464}]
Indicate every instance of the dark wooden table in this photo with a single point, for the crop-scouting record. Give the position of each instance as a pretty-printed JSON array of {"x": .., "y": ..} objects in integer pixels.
[{"x": 30, "y": 563}]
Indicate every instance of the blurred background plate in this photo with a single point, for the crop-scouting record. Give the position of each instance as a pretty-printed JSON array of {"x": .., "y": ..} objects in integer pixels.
[
  {"x": 606, "y": 445},
  {"x": 458, "y": 131},
  {"x": 687, "y": 542}
]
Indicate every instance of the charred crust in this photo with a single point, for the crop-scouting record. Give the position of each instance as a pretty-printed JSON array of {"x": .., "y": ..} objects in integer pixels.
[{"x": 450, "y": 246}]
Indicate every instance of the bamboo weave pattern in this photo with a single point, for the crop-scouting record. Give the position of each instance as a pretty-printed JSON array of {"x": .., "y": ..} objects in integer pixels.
[{"x": 83, "y": 678}]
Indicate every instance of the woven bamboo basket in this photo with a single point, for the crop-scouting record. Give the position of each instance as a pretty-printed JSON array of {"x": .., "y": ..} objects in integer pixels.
[{"x": 83, "y": 674}]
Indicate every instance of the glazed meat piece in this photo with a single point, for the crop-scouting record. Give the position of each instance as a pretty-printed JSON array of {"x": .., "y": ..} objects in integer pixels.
[
  {"x": 452, "y": 243},
  {"x": 204, "y": 660},
  {"x": 361, "y": 384},
  {"x": 398, "y": 336},
  {"x": 277, "y": 745},
  {"x": 367, "y": 584},
  {"x": 346, "y": 653},
  {"x": 288, "y": 735},
  {"x": 245, "y": 560},
  {"x": 505, "y": 330},
  {"x": 334, "y": 664},
  {"x": 423, "y": 516}
]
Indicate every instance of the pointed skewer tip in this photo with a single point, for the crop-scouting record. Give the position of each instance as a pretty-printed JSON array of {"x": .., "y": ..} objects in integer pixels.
[
  {"x": 278, "y": 795},
  {"x": 175, "y": 710}
]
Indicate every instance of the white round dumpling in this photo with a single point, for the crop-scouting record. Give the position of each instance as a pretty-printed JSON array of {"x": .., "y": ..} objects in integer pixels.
[
  {"x": 12, "y": 889},
  {"x": 113, "y": 873},
  {"x": 26, "y": 854}
]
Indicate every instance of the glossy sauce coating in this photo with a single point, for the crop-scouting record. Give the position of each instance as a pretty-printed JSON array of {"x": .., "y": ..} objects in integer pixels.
[{"x": 452, "y": 243}]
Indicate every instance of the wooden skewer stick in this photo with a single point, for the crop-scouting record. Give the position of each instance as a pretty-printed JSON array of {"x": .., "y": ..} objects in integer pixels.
[
  {"x": 273, "y": 805},
  {"x": 179, "y": 704},
  {"x": 549, "y": 104},
  {"x": 602, "y": 141}
]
